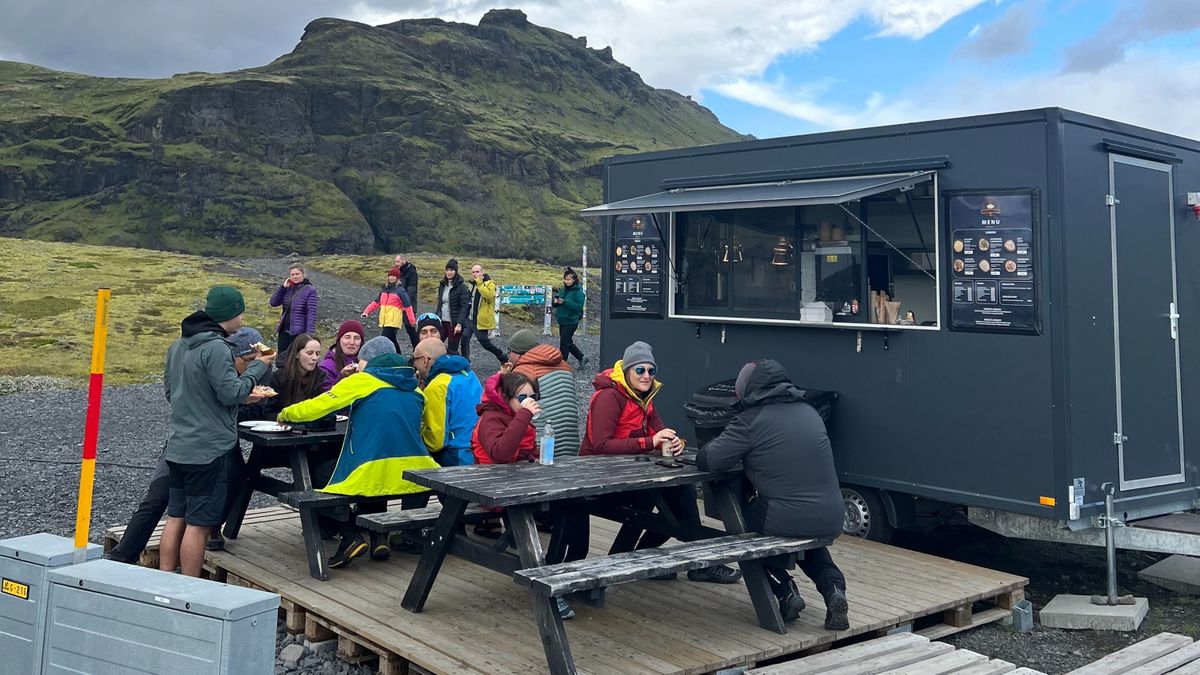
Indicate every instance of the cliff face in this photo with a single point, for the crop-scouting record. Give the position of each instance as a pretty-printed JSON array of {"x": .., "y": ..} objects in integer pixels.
[{"x": 420, "y": 134}]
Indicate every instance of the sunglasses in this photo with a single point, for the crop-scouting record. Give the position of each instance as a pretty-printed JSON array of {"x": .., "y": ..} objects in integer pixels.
[
  {"x": 521, "y": 397},
  {"x": 429, "y": 315},
  {"x": 642, "y": 370}
]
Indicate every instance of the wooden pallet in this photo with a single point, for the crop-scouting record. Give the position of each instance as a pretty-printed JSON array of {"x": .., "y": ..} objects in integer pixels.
[
  {"x": 899, "y": 654},
  {"x": 1159, "y": 655},
  {"x": 480, "y": 622}
]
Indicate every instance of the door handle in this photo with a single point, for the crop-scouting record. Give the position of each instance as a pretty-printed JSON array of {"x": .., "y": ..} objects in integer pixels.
[{"x": 1173, "y": 314}]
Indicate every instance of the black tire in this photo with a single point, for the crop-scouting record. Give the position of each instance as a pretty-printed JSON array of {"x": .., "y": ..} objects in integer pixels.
[{"x": 865, "y": 516}]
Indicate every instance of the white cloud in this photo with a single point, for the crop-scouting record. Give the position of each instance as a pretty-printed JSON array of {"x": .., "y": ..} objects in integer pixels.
[
  {"x": 688, "y": 46},
  {"x": 1153, "y": 89}
]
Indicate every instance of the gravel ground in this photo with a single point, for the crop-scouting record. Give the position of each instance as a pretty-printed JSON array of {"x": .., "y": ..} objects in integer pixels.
[{"x": 41, "y": 440}]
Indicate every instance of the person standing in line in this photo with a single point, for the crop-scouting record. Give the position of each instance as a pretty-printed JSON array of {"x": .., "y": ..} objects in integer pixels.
[
  {"x": 395, "y": 307},
  {"x": 204, "y": 390},
  {"x": 782, "y": 445},
  {"x": 451, "y": 393},
  {"x": 482, "y": 317},
  {"x": 453, "y": 305},
  {"x": 568, "y": 311},
  {"x": 409, "y": 280},
  {"x": 298, "y": 297}
]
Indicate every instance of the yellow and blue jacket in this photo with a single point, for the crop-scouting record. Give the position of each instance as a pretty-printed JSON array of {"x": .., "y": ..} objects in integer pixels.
[
  {"x": 383, "y": 439},
  {"x": 451, "y": 394}
]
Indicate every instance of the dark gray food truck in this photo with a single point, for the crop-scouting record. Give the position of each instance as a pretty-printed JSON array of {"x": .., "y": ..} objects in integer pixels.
[{"x": 1005, "y": 306}]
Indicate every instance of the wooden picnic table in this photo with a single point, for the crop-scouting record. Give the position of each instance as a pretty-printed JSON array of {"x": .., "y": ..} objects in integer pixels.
[{"x": 521, "y": 489}]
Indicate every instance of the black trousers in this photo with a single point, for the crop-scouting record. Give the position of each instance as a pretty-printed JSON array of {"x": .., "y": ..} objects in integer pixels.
[
  {"x": 411, "y": 329},
  {"x": 390, "y": 332},
  {"x": 469, "y": 329},
  {"x": 566, "y": 342},
  {"x": 817, "y": 564},
  {"x": 681, "y": 500},
  {"x": 283, "y": 341}
]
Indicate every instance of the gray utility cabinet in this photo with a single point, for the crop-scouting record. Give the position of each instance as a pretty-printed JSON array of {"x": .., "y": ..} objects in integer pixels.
[
  {"x": 109, "y": 617},
  {"x": 24, "y": 562}
]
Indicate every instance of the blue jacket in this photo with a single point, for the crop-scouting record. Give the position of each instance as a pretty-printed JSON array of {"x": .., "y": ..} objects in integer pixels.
[
  {"x": 451, "y": 393},
  {"x": 384, "y": 435}
]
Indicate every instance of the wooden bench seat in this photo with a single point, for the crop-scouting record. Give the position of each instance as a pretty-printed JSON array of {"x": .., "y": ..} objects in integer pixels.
[
  {"x": 399, "y": 520},
  {"x": 595, "y": 573}
]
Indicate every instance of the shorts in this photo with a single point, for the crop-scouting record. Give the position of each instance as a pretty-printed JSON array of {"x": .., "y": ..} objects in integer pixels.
[{"x": 198, "y": 492}]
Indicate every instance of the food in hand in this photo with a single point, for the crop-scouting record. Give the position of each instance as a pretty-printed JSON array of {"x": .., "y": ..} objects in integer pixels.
[
  {"x": 265, "y": 391},
  {"x": 263, "y": 349}
]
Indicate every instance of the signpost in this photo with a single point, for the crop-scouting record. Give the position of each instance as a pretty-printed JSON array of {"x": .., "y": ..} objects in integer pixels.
[
  {"x": 528, "y": 296},
  {"x": 585, "y": 289},
  {"x": 91, "y": 426}
]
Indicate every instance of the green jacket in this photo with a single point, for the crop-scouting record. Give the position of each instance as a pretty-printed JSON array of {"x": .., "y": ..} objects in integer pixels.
[
  {"x": 204, "y": 391},
  {"x": 570, "y": 311}
]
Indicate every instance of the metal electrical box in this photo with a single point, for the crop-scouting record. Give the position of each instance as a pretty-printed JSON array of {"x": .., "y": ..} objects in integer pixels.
[
  {"x": 24, "y": 562},
  {"x": 109, "y": 617}
]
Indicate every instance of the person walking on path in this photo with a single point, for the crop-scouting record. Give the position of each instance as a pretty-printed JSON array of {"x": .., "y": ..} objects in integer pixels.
[
  {"x": 409, "y": 280},
  {"x": 451, "y": 393},
  {"x": 342, "y": 358},
  {"x": 204, "y": 390},
  {"x": 543, "y": 365},
  {"x": 298, "y": 297},
  {"x": 453, "y": 305},
  {"x": 395, "y": 307},
  {"x": 568, "y": 311},
  {"x": 781, "y": 443},
  {"x": 482, "y": 317}
]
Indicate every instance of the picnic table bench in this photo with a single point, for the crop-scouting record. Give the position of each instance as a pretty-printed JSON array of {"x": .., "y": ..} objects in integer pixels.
[{"x": 523, "y": 488}]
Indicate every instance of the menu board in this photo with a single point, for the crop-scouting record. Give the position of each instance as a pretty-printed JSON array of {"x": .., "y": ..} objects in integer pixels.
[
  {"x": 992, "y": 247},
  {"x": 637, "y": 266}
]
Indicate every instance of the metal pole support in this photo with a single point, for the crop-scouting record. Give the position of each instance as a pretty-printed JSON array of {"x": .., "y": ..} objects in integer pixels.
[{"x": 1109, "y": 522}]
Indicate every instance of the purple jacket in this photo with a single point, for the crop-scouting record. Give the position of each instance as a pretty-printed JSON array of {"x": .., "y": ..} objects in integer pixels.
[
  {"x": 299, "y": 308},
  {"x": 332, "y": 372}
]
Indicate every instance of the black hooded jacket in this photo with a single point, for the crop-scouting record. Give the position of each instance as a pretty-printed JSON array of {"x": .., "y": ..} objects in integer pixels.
[
  {"x": 460, "y": 300},
  {"x": 408, "y": 279},
  {"x": 784, "y": 448}
]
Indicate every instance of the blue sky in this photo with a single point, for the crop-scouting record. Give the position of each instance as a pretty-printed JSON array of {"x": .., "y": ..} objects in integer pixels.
[{"x": 765, "y": 67}]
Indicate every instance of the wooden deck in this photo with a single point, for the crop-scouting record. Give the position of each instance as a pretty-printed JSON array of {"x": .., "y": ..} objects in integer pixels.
[
  {"x": 480, "y": 622},
  {"x": 899, "y": 654}
]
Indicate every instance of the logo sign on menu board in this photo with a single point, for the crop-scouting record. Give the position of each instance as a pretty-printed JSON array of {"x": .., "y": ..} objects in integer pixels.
[{"x": 993, "y": 262}]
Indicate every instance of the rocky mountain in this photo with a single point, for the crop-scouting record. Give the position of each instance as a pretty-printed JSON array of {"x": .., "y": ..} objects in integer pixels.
[{"x": 420, "y": 134}]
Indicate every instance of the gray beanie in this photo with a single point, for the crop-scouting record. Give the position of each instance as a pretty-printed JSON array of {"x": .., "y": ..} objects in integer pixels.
[
  {"x": 743, "y": 378},
  {"x": 638, "y": 352},
  {"x": 374, "y": 347}
]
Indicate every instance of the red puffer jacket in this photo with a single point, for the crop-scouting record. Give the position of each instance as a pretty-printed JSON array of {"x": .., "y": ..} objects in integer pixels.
[
  {"x": 502, "y": 436},
  {"x": 618, "y": 422}
]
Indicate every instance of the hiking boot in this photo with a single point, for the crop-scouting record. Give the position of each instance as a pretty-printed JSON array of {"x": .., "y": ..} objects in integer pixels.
[
  {"x": 564, "y": 609},
  {"x": 790, "y": 602},
  {"x": 719, "y": 574},
  {"x": 379, "y": 547},
  {"x": 350, "y": 548},
  {"x": 215, "y": 542},
  {"x": 836, "y": 609}
]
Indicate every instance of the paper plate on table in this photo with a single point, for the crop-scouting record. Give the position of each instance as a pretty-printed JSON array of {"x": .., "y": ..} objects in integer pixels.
[
  {"x": 270, "y": 427},
  {"x": 342, "y": 418},
  {"x": 253, "y": 423}
]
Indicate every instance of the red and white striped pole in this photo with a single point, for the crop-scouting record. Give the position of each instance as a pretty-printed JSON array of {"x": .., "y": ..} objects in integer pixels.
[{"x": 91, "y": 426}]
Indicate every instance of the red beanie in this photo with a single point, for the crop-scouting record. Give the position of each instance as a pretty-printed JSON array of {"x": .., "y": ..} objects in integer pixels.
[
  {"x": 350, "y": 326},
  {"x": 394, "y": 272}
]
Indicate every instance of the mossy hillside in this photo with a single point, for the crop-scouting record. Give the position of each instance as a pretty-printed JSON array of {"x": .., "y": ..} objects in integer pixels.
[
  {"x": 419, "y": 134},
  {"x": 48, "y": 298}
]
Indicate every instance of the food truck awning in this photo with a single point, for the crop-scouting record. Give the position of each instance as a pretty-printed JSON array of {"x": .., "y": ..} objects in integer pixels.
[{"x": 760, "y": 195}]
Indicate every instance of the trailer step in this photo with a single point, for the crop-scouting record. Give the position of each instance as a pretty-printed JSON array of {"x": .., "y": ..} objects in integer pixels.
[{"x": 1183, "y": 523}]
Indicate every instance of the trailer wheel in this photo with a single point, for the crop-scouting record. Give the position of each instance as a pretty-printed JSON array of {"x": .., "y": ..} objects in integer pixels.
[{"x": 865, "y": 516}]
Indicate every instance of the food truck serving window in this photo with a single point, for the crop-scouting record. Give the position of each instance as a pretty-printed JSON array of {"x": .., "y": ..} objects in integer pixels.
[{"x": 867, "y": 259}]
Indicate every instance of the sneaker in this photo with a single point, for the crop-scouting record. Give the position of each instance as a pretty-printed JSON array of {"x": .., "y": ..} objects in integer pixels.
[
  {"x": 664, "y": 577},
  {"x": 564, "y": 609},
  {"x": 790, "y": 607},
  {"x": 215, "y": 542},
  {"x": 720, "y": 574},
  {"x": 349, "y": 549},
  {"x": 836, "y": 610},
  {"x": 379, "y": 547}
]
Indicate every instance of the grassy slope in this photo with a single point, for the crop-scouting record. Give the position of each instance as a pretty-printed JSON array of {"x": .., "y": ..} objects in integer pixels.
[{"x": 48, "y": 295}]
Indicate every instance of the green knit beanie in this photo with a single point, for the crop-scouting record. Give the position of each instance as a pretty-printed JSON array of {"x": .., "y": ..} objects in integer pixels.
[{"x": 223, "y": 303}]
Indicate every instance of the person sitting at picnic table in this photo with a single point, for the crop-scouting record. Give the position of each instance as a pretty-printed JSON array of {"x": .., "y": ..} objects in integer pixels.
[
  {"x": 451, "y": 392},
  {"x": 429, "y": 325},
  {"x": 342, "y": 358},
  {"x": 394, "y": 307},
  {"x": 383, "y": 441},
  {"x": 622, "y": 421},
  {"x": 782, "y": 445},
  {"x": 555, "y": 381},
  {"x": 295, "y": 378}
]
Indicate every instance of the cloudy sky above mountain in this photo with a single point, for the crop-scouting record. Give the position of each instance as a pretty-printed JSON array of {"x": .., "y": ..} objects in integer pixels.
[{"x": 764, "y": 67}]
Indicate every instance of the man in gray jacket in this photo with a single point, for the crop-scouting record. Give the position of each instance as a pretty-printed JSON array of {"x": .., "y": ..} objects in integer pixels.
[
  {"x": 784, "y": 449},
  {"x": 204, "y": 390}
]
